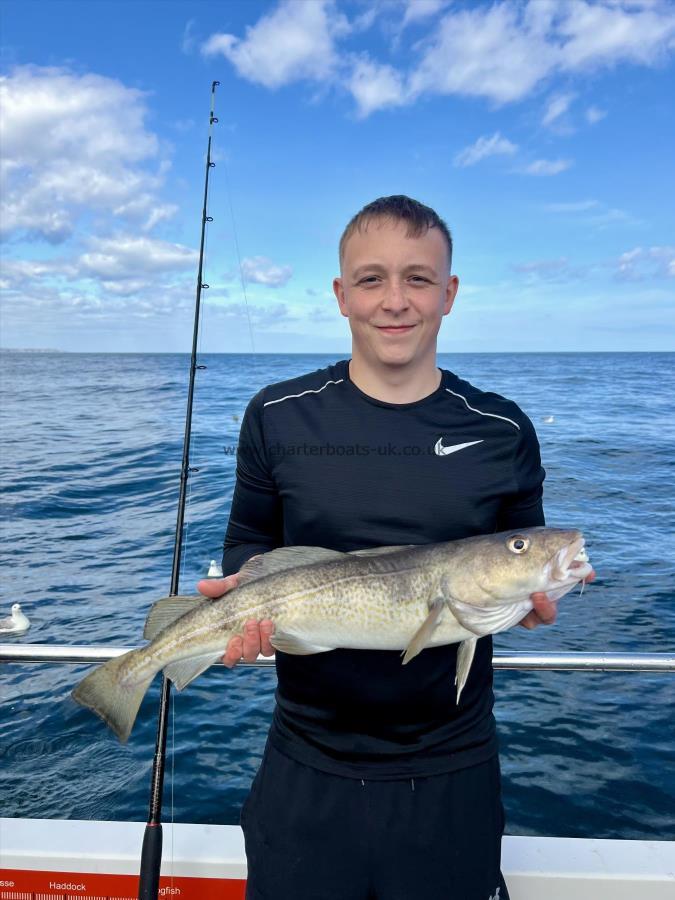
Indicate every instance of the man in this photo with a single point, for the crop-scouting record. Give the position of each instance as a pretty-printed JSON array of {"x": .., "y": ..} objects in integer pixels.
[{"x": 375, "y": 783}]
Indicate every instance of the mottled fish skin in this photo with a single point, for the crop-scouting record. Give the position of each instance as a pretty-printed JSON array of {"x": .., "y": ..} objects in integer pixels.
[{"x": 471, "y": 587}]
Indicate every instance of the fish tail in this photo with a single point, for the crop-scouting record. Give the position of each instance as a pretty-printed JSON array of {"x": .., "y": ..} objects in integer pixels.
[{"x": 114, "y": 697}]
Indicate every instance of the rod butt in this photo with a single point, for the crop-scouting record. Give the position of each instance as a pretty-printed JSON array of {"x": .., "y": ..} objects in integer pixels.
[{"x": 151, "y": 860}]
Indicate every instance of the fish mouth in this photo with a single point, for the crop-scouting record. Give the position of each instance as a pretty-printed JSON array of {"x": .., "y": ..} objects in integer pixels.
[{"x": 572, "y": 561}]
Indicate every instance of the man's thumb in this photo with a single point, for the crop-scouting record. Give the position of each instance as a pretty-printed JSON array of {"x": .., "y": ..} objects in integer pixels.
[{"x": 216, "y": 587}]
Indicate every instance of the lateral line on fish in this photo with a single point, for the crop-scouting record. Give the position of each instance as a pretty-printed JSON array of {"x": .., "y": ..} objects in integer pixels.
[{"x": 253, "y": 612}]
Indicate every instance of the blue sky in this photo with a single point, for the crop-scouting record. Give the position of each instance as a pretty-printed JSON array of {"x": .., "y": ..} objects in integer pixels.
[{"x": 542, "y": 132}]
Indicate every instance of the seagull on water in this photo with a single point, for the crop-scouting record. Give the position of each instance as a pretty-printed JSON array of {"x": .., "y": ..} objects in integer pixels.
[{"x": 17, "y": 623}]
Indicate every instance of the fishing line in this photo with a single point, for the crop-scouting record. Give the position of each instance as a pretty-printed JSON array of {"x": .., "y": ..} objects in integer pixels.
[
  {"x": 203, "y": 306},
  {"x": 173, "y": 781},
  {"x": 186, "y": 530},
  {"x": 236, "y": 244}
]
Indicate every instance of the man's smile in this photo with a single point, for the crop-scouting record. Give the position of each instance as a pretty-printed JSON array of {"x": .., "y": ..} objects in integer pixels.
[{"x": 395, "y": 329}]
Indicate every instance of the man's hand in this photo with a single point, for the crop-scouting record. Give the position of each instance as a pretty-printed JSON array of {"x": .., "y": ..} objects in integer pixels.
[
  {"x": 545, "y": 610},
  {"x": 256, "y": 637}
]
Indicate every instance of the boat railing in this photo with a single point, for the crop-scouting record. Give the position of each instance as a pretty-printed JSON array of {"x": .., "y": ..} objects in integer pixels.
[{"x": 557, "y": 662}]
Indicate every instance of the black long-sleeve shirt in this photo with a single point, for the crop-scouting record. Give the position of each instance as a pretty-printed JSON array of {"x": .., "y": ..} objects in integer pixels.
[{"x": 321, "y": 463}]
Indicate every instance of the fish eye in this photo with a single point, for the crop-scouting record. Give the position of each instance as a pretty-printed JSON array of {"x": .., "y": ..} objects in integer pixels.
[{"x": 518, "y": 543}]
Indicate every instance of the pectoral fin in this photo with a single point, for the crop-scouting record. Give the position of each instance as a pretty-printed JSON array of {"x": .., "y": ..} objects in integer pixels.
[
  {"x": 482, "y": 620},
  {"x": 296, "y": 646},
  {"x": 464, "y": 659},
  {"x": 423, "y": 634}
]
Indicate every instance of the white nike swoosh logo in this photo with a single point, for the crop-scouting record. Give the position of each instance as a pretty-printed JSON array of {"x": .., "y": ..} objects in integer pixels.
[{"x": 440, "y": 450}]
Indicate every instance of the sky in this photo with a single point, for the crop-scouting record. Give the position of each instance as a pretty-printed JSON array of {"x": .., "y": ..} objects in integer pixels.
[{"x": 542, "y": 132}]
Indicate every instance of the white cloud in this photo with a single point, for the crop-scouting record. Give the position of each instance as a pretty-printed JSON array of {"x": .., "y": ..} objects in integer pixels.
[
  {"x": 613, "y": 216},
  {"x": 552, "y": 271},
  {"x": 556, "y": 108},
  {"x": 364, "y": 20},
  {"x": 74, "y": 144},
  {"x": 547, "y": 166},
  {"x": 182, "y": 126},
  {"x": 375, "y": 86},
  {"x": 597, "y": 34},
  {"x": 483, "y": 147},
  {"x": 260, "y": 270},
  {"x": 127, "y": 256},
  {"x": 595, "y": 114},
  {"x": 501, "y": 51},
  {"x": 262, "y": 315},
  {"x": 188, "y": 40},
  {"x": 59, "y": 311},
  {"x": 483, "y": 52},
  {"x": 295, "y": 41},
  {"x": 626, "y": 264},
  {"x": 121, "y": 266},
  {"x": 573, "y": 206},
  {"x": 421, "y": 10},
  {"x": 18, "y": 271},
  {"x": 641, "y": 263},
  {"x": 593, "y": 212}
]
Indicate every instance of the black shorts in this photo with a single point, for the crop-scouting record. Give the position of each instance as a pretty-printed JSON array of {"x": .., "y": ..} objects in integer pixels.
[{"x": 311, "y": 835}]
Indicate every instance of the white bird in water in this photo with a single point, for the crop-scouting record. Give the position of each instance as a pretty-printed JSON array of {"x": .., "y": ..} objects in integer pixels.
[
  {"x": 215, "y": 571},
  {"x": 17, "y": 623},
  {"x": 548, "y": 420}
]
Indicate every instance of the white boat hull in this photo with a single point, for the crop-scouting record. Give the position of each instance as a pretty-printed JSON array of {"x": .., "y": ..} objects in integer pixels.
[{"x": 49, "y": 858}]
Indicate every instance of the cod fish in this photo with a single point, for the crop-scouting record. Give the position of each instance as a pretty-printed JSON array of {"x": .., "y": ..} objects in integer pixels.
[{"x": 388, "y": 598}]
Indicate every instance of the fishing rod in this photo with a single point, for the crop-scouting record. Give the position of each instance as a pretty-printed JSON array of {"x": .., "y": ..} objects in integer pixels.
[{"x": 151, "y": 854}]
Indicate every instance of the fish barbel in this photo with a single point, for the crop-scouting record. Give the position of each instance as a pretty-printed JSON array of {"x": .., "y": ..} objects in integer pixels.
[{"x": 387, "y": 598}]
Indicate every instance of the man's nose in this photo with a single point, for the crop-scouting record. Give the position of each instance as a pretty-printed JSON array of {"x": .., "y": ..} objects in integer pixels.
[{"x": 395, "y": 297}]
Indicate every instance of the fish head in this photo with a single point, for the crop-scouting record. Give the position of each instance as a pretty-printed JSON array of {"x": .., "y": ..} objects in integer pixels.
[
  {"x": 488, "y": 588},
  {"x": 511, "y": 565}
]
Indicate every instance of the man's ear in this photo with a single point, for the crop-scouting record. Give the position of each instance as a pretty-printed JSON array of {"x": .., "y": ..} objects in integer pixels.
[
  {"x": 450, "y": 293},
  {"x": 339, "y": 291}
]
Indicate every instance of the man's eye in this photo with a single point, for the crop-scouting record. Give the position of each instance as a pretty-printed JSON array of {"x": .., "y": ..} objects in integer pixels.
[
  {"x": 419, "y": 278},
  {"x": 369, "y": 279}
]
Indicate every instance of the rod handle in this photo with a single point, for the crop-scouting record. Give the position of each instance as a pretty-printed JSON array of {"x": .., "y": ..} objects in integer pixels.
[{"x": 151, "y": 860}]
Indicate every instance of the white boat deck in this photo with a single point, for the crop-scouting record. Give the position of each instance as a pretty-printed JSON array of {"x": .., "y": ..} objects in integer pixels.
[{"x": 46, "y": 858}]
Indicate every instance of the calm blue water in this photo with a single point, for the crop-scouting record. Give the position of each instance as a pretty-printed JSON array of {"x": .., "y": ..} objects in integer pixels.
[{"x": 91, "y": 449}]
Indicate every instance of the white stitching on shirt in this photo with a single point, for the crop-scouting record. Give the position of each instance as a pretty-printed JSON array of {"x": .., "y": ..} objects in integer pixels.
[
  {"x": 291, "y": 396},
  {"x": 493, "y": 415}
]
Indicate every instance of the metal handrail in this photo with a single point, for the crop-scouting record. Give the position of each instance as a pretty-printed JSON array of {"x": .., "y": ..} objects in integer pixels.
[{"x": 561, "y": 662}]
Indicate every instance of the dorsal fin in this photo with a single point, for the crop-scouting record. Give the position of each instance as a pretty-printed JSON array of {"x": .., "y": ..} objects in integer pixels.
[
  {"x": 166, "y": 611},
  {"x": 381, "y": 551},
  {"x": 284, "y": 558}
]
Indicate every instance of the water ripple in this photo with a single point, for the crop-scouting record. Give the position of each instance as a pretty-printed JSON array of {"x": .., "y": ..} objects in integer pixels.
[{"x": 91, "y": 448}]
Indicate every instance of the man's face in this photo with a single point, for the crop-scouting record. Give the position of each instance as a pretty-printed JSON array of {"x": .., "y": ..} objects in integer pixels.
[{"x": 395, "y": 291}]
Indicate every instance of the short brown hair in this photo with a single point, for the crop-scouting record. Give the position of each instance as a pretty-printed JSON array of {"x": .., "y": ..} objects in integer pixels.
[{"x": 399, "y": 208}]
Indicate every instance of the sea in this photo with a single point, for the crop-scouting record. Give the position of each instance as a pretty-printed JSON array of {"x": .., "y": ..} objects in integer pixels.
[{"x": 90, "y": 461}]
